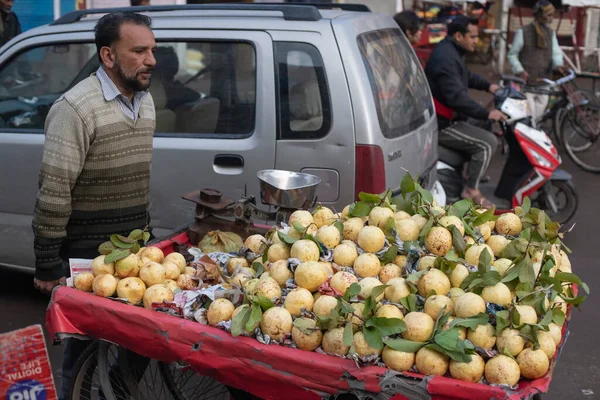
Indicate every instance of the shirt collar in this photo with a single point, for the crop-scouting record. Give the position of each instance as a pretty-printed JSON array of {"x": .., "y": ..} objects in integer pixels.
[
  {"x": 457, "y": 46},
  {"x": 110, "y": 90}
]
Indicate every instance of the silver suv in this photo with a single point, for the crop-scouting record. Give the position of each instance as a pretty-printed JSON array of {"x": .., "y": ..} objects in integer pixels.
[{"x": 334, "y": 90}]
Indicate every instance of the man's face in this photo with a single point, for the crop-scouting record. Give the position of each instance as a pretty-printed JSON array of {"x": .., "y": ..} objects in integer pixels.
[
  {"x": 6, "y": 5},
  {"x": 415, "y": 37},
  {"x": 468, "y": 40},
  {"x": 546, "y": 17},
  {"x": 134, "y": 57}
]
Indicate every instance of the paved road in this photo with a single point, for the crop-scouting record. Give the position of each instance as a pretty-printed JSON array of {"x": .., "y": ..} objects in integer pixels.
[{"x": 577, "y": 373}]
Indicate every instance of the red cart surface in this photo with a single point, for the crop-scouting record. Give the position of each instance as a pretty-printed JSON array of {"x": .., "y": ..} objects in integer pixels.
[{"x": 266, "y": 371}]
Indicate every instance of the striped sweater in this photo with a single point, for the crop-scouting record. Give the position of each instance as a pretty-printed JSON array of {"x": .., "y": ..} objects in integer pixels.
[{"x": 95, "y": 176}]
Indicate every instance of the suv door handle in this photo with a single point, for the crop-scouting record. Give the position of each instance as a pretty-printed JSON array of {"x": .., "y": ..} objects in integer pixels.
[{"x": 229, "y": 161}]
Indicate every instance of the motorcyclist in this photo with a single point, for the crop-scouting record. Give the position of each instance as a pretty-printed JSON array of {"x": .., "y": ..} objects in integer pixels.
[{"x": 460, "y": 118}]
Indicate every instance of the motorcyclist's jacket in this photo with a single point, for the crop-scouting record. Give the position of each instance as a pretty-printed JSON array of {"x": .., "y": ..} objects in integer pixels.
[{"x": 449, "y": 80}]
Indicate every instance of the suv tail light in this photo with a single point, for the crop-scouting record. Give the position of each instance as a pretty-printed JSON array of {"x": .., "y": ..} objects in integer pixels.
[{"x": 370, "y": 170}]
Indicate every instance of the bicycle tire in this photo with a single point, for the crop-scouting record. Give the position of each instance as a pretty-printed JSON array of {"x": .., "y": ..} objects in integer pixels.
[
  {"x": 575, "y": 152},
  {"x": 87, "y": 361}
]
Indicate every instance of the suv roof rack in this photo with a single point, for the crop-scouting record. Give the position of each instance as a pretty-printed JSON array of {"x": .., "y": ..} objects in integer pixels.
[{"x": 290, "y": 11}]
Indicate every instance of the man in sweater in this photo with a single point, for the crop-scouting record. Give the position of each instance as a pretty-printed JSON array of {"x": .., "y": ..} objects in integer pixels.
[
  {"x": 459, "y": 116},
  {"x": 535, "y": 53},
  {"x": 95, "y": 175}
]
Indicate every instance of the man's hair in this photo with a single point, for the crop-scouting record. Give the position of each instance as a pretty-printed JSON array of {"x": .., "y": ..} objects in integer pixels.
[
  {"x": 542, "y": 5},
  {"x": 408, "y": 21},
  {"x": 461, "y": 24},
  {"x": 135, "y": 3},
  {"x": 108, "y": 27}
]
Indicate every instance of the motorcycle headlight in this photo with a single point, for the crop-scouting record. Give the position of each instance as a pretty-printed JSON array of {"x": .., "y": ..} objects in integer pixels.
[{"x": 543, "y": 161}]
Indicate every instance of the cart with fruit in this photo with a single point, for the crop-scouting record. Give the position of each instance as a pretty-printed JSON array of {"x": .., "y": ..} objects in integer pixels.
[{"x": 392, "y": 298}]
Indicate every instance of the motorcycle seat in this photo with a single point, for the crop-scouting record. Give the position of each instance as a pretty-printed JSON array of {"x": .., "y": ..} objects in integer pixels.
[{"x": 451, "y": 157}]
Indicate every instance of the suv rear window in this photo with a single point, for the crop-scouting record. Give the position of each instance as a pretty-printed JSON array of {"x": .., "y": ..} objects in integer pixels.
[{"x": 399, "y": 86}]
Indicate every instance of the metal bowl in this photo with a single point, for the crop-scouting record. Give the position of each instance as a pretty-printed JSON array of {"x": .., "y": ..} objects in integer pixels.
[{"x": 287, "y": 189}]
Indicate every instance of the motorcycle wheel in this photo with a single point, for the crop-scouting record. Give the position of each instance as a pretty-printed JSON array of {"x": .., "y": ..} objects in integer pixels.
[{"x": 563, "y": 195}]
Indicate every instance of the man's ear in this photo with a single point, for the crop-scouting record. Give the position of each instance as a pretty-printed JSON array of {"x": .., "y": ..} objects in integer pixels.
[{"x": 108, "y": 56}]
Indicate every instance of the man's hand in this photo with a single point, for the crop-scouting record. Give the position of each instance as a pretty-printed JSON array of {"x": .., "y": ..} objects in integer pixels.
[
  {"x": 496, "y": 115},
  {"x": 524, "y": 75},
  {"x": 562, "y": 70},
  {"x": 493, "y": 88},
  {"x": 46, "y": 287}
]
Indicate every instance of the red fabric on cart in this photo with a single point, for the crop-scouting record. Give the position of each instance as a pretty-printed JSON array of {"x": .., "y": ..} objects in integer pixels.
[{"x": 270, "y": 372}]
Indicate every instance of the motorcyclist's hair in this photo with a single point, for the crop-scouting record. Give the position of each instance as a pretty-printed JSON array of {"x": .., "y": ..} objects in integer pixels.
[
  {"x": 408, "y": 21},
  {"x": 107, "y": 30},
  {"x": 461, "y": 24}
]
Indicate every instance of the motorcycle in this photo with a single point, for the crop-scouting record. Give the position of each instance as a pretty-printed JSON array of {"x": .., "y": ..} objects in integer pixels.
[{"x": 531, "y": 168}]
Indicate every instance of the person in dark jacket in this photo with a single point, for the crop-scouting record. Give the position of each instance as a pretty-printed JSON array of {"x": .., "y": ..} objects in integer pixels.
[
  {"x": 9, "y": 23},
  {"x": 459, "y": 117}
]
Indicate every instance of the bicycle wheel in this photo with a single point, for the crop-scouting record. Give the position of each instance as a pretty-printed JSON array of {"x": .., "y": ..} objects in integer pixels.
[
  {"x": 580, "y": 131},
  {"x": 185, "y": 384},
  {"x": 85, "y": 383}
]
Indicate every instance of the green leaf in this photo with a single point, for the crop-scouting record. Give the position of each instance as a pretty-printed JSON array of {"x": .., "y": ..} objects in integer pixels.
[
  {"x": 305, "y": 326},
  {"x": 373, "y": 337},
  {"x": 406, "y": 346},
  {"x": 485, "y": 261},
  {"x": 146, "y": 237},
  {"x": 258, "y": 267},
  {"x": 426, "y": 228},
  {"x": 516, "y": 317},
  {"x": 239, "y": 321},
  {"x": 526, "y": 272},
  {"x": 285, "y": 238},
  {"x": 575, "y": 301},
  {"x": 470, "y": 279},
  {"x": 116, "y": 255},
  {"x": 572, "y": 278},
  {"x": 348, "y": 334},
  {"x": 389, "y": 225},
  {"x": 526, "y": 234},
  {"x": 425, "y": 194},
  {"x": 409, "y": 302},
  {"x": 484, "y": 217},
  {"x": 415, "y": 276},
  {"x": 502, "y": 321},
  {"x": 369, "y": 197},
  {"x": 346, "y": 308},
  {"x": 447, "y": 339},
  {"x": 511, "y": 274},
  {"x": 471, "y": 322},
  {"x": 340, "y": 227},
  {"x": 121, "y": 241},
  {"x": 298, "y": 227},
  {"x": 546, "y": 320},
  {"x": 135, "y": 248},
  {"x": 526, "y": 205},
  {"x": 514, "y": 249},
  {"x": 360, "y": 209},
  {"x": 353, "y": 290},
  {"x": 377, "y": 290},
  {"x": 491, "y": 278},
  {"x": 136, "y": 234},
  {"x": 387, "y": 326},
  {"x": 407, "y": 185},
  {"x": 389, "y": 255},
  {"x": 458, "y": 241},
  {"x": 441, "y": 320},
  {"x": 370, "y": 305},
  {"x": 263, "y": 302},
  {"x": 558, "y": 316},
  {"x": 452, "y": 256},
  {"x": 255, "y": 317},
  {"x": 460, "y": 208}
]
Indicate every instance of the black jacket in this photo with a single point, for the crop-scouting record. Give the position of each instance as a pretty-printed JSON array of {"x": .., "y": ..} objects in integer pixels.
[
  {"x": 12, "y": 27},
  {"x": 450, "y": 80}
]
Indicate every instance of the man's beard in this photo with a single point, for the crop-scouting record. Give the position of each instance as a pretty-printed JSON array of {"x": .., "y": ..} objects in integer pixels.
[{"x": 130, "y": 79}]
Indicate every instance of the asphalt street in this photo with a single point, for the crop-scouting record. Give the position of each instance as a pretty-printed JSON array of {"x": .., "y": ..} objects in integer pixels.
[{"x": 577, "y": 375}]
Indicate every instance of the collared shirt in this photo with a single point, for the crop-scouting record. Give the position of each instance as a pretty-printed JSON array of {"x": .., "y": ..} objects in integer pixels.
[
  {"x": 517, "y": 46},
  {"x": 111, "y": 92}
]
